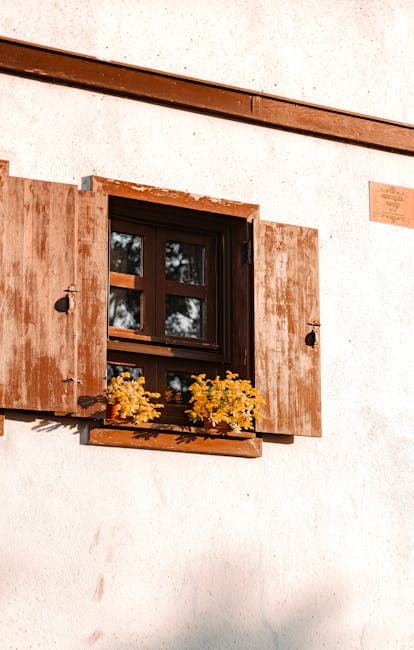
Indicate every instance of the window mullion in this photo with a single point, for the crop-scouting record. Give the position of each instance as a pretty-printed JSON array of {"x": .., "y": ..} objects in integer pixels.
[
  {"x": 159, "y": 288},
  {"x": 149, "y": 282}
]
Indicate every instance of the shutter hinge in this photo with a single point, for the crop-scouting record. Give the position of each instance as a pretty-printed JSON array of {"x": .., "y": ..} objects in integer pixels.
[{"x": 247, "y": 252}]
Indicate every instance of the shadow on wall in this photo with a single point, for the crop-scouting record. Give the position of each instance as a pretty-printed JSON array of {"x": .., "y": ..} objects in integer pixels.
[
  {"x": 237, "y": 606},
  {"x": 42, "y": 424},
  {"x": 303, "y": 629}
]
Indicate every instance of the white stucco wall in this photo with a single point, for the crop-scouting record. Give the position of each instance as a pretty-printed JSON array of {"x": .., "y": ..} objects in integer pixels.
[
  {"x": 352, "y": 54},
  {"x": 311, "y": 546}
]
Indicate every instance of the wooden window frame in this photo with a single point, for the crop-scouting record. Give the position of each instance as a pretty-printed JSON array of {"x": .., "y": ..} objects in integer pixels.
[{"x": 171, "y": 436}]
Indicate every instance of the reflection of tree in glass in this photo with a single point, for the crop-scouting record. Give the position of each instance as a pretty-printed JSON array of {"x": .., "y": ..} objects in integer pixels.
[
  {"x": 183, "y": 316},
  {"x": 126, "y": 253},
  {"x": 178, "y": 383},
  {"x": 124, "y": 308},
  {"x": 113, "y": 370},
  {"x": 184, "y": 262}
]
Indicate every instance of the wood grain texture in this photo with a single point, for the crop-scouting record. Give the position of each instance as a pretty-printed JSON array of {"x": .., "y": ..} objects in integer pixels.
[
  {"x": 334, "y": 124},
  {"x": 5, "y": 269},
  {"x": 150, "y": 439},
  {"x": 92, "y": 282},
  {"x": 391, "y": 204},
  {"x": 57, "y": 66},
  {"x": 286, "y": 298},
  {"x": 170, "y": 352},
  {"x": 52, "y": 358},
  {"x": 37, "y": 344},
  {"x": 174, "y": 198}
]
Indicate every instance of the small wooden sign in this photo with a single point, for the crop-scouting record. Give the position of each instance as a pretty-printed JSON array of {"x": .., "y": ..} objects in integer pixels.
[{"x": 391, "y": 204}]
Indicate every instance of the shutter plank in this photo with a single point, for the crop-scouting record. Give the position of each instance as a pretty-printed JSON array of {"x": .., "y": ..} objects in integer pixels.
[
  {"x": 286, "y": 294},
  {"x": 7, "y": 384},
  {"x": 12, "y": 312},
  {"x": 60, "y": 326},
  {"x": 34, "y": 287},
  {"x": 92, "y": 282}
]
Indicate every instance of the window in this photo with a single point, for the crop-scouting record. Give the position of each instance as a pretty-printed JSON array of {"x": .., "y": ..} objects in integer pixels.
[
  {"x": 197, "y": 285},
  {"x": 179, "y": 282}
]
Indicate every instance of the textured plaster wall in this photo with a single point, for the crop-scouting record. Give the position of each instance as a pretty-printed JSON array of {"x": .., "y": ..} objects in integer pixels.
[
  {"x": 311, "y": 546},
  {"x": 351, "y": 54}
]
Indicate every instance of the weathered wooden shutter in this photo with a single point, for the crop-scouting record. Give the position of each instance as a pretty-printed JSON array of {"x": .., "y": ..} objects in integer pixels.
[
  {"x": 53, "y": 238},
  {"x": 287, "y": 359}
]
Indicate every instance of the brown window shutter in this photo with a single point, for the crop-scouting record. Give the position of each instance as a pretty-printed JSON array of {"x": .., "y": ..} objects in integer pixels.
[
  {"x": 92, "y": 276},
  {"x": 287, "y": 358},
  {"x": 51, "y": 337}
]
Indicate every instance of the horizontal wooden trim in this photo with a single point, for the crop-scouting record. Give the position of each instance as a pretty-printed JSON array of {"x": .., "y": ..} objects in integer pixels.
[
  {"x": 126, "y": 281},
  {"x": 166, "y": 351},
  {"x": 196, "y": 344},
  {"x": 72, "y": 69},
  {"x": 186, "y": 289},
  {"x": 176, "y": 198},
  {"x": 150, "y": 439}
]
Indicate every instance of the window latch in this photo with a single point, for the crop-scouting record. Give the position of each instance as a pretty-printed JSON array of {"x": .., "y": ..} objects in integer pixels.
[{"x": 71, "y": 291}]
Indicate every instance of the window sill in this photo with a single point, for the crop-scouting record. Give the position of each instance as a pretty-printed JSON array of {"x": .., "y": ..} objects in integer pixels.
[{"x": 170, "y": 437}]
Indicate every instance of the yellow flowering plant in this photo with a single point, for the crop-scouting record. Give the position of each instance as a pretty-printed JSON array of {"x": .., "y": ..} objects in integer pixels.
[
  {"x": 231, "y": 400},
  {"x": 134, "y": 401}
]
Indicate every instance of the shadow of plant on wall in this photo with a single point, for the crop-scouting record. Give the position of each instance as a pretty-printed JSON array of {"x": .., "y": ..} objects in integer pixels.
[
  {"x": 45, "y": 424},
  {"x": 52, "y": 425}
]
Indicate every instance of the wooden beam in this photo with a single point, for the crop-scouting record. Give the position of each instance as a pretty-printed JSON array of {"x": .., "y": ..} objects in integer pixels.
[{"x": 71, "y": 69}]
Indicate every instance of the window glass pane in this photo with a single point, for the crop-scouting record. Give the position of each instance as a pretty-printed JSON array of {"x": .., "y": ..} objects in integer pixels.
[
  {"x": 177, "y": 387},
  {"x": 125, "y": 308},
  {"x": 126, "y": 253},
  {"x": 183, "y": 316},
  {"x": 113, "y": 370},
  {"x": 184, "y": 262}
]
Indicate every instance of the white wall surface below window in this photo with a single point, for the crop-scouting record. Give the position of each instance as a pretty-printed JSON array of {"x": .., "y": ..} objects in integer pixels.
[{"x": 310, "y": 546}]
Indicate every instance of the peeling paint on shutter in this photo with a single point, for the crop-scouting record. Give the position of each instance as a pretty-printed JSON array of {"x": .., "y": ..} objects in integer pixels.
[
  {"x": 287, "y": 356},
  {"x": 92, "y": 277},
  {"x": 43, "y": 252}
]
